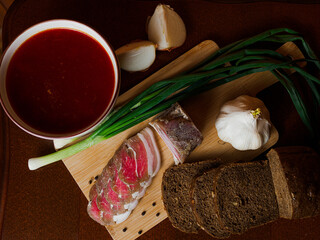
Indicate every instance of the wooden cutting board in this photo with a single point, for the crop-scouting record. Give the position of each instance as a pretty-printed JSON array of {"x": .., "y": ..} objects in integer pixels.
[{"x": 203, "y": 109}]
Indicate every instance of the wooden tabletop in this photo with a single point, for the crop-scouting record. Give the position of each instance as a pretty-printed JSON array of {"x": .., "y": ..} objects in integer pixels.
[{"x": 47, "y": 203}]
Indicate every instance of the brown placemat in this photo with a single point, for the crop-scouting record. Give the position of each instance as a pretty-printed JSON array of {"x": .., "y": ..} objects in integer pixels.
[
  {"x": 49, "y": 205},
  {"x": 4, "y": 164}
]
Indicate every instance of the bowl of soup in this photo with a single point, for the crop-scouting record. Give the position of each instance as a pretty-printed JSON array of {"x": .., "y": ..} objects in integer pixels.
[{"x": 59, "y": 79}]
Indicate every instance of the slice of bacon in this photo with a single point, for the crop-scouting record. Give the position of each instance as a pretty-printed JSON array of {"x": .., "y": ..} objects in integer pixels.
[
  {"x": 123, "y": 190},
  {"x": 93, "y": 192},
  {"x": 132, "y": 164},
  {"x": 103, "y": 178},
  {"x": 139, "y": 158},
  {"x": 111, "y": 181},
  {"x": 125, "y": 161},
  {"x": 153, "y": 153},
  {"x": 125, "y": 179},
  {"x": 108, "y": 197},
  {"x": 178, "y": 132},
  {"x": 106, "y": 217},
  {"x": 102, "y": 217}
]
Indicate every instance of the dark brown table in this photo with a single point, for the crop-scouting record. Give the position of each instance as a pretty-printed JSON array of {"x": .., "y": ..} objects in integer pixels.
[{"x": 47, "y": 203}]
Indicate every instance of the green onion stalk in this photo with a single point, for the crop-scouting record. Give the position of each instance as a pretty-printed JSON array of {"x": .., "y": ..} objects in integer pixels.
[{"x": 236, "y": 60}]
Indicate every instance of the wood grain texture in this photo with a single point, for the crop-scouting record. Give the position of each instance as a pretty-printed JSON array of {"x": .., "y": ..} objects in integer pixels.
[{"x": 203, "y": 109}]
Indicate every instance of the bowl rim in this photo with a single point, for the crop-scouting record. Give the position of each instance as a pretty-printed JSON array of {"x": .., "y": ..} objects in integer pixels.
[{"x": 58, "y": 24}]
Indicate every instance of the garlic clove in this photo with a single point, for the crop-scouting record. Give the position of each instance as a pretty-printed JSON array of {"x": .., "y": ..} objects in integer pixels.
[
  {"x": 136, "y": 56},
  {"x": 166, "y": 28}
]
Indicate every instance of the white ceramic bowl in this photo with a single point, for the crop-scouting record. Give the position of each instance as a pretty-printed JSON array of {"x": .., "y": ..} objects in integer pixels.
[{"x": 54, "y": 24}]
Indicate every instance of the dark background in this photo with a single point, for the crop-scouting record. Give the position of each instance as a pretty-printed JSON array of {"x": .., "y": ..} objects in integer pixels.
[{"x": 47, "y": 203}]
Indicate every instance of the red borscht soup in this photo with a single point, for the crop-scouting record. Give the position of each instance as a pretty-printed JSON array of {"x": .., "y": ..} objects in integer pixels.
[{"x": 60, "y": 81}]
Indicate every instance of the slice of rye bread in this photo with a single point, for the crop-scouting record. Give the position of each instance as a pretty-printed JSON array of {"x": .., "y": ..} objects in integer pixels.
[
  {"x": 176, "y": 184},
  {"x": 239, "y": 195},
  {"x": 296, "y": 176},
  {"x": 204, "y": 204}
]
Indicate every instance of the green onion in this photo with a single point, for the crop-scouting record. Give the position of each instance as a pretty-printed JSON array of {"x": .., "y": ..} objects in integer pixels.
[{"x": 243, "y": 57}]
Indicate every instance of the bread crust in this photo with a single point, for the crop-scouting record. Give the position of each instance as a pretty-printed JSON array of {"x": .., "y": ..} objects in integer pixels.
[
  {"x": 175, "y": 188},
  {"x": 216, "y": 228},
  {"x": 241, "y": 198},
  {"x": 299, "y": 168}
]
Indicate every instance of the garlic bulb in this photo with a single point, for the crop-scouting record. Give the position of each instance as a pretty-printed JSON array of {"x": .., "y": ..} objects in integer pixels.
[
  {"x": 166, "y": 28},
  {"x": 136, "y": 56},
  {"x": 244, "y": 123}
]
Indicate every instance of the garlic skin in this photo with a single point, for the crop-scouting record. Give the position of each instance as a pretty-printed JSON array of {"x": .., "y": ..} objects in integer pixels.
[
  {"x": 166, "y": 28},
  {"x": 244, "y": 123},
  {"x": 136, "y": 56}
]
